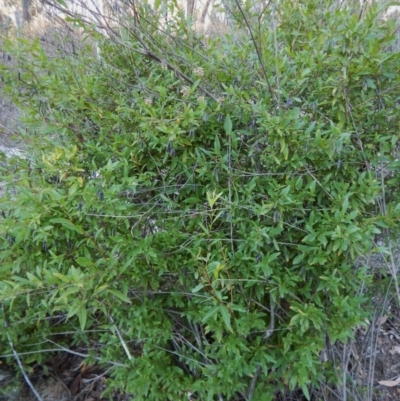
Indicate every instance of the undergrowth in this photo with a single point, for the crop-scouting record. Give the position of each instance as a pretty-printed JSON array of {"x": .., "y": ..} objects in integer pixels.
[{"x": 194, "y": 209}]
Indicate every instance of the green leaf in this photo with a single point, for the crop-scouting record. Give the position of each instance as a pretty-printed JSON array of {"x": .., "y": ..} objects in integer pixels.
[
  {"x": 312, "y": 186},
  {"x": 82, "y": 261},
  {"x": 82, "y": 315},
  {"x": 228, "y": 124},
  {"x": 119, "y": 295},
  {"x": 195, "y": 85},
  {"x": 226, "y": 316},
  {"x": 73, "y": 188},
  {"x": 305, "y": 391},
  {"x": 66, "y": 223},
  {"x": 62, "y": 2},
  {"x": 62, "y": 277},
  {"x": 217, "y": 145},
  {"x": 198, "y": 288},
  {"x": 74, "y": 309},
  {"x": 310, "y": 128},
  {"x": 209, "y": 314},
  {"x": 299, "y": 183},
  {"x": 192, "y": 200},
  {"x": 298, "y": 258}
]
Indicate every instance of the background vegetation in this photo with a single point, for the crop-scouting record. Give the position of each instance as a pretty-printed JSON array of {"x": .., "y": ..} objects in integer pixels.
[{"x": 197, "y": 209}]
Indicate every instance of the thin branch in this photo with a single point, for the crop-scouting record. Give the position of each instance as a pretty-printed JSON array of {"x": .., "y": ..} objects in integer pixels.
[
  {"x": 257, "y": 49},
  {"x": 253, "y": 383},
  {"x": 128, "y": 354},
  {"x": 16, "y": 356},
  {"x": 61, "y": 348},
  {"x": 147, "y": 52},
  {"x": 28, "y": 382},
  {"x": 315, "y": 179},
  {"x": 271, "y": 325},
  {"x": 276, "y": 56}
]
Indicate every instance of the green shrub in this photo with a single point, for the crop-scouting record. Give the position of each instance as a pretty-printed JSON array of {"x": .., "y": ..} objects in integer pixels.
[{"x": 195, "y": 211}]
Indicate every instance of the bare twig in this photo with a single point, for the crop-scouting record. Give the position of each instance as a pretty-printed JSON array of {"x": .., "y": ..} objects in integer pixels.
[
  {"x": 61, "y": 348},
  {"x": 257, "y": 49},
  {"x": 276, "y": 57},
  {"x": 316, "y": 180},
  {"x": 145, "y": 51},
  {"x": 271, "y": 325},
  {"x": 253, "y": 383},
  {"x": 128, "y": 354}
]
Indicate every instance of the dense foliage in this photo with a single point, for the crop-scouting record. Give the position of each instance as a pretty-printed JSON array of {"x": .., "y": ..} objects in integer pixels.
[{"x": 192, "y": 209}]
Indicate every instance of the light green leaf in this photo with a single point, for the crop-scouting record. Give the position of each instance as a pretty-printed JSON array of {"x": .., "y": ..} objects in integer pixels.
[
  {"x": 312, "y": 186},
  {"x": 82, "y": 315},
  {"x": 299, "y": 183},
  {"x": 73, "y": 188},
  {"x": 62, "y": 277},
  {"x": 83, "y": 261},
  {"x": 228, "y": 124},
  {"x": 310, "y": 128},
  {"x": 217, "y": 146},
  {"x": 195, "y": 85},
  {"x": 198, "y": 288}
]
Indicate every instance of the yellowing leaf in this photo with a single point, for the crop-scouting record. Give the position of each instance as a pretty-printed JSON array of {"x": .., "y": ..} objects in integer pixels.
[
  {"x": 390, "y": 383},
  {"x": 61, "y": 277}
]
